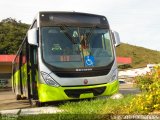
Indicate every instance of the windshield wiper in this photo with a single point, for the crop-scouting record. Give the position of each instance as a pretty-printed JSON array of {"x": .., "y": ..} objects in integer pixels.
[
  {"x": 66, "y": 29},
  {"x": 91, "y": 33},
  {"x": 63, "y": 27}
]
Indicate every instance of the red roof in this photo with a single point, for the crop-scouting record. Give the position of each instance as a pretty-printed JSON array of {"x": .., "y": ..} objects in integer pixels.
[
  {"x": 10, "y": 58},
  {"x": 124, "y": 60},
  {"x": 7, "y": 58}
]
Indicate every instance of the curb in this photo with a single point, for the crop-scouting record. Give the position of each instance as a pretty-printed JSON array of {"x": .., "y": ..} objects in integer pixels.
[
  {"x": 13, "y": 112},
  {"x": 30, "y": 111}
]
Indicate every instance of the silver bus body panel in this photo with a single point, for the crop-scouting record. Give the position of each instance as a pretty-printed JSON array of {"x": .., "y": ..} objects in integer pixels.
[{"x": 80, "y": 80}]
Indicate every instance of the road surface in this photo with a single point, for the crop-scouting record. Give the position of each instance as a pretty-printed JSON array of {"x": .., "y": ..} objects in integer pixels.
[
  {"x": 128, "y": 89},
  {"x": 8, "y": 101}
]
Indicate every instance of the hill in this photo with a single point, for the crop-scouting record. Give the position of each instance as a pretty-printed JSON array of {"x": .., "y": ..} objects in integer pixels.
[{"x": 140, "y": 56}]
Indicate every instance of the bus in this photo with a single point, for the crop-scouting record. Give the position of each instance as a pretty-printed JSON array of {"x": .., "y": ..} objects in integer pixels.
[{"x": 66, "y": 56}]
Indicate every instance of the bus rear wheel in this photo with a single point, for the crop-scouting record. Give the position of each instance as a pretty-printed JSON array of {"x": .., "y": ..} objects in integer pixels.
[{"x": 18, "y": 97}]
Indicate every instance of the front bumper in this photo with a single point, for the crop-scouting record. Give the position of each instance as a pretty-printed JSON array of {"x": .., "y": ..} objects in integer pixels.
[{"x": 48, "y": 93}]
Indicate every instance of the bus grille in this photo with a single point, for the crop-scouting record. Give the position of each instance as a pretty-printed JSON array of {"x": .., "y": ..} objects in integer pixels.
[{"x": 75, "y": 93}]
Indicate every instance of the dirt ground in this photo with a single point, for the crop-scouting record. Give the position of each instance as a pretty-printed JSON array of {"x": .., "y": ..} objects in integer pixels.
[{"x": 8, "y": 101}]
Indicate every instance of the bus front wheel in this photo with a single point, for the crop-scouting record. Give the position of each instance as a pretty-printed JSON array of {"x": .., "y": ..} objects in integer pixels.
[
  {"x": 39, "y": 104},
  {"x": 35, "y": 103}
]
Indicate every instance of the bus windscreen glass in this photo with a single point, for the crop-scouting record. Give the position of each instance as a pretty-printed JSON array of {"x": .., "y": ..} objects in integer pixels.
[{"x": 76, "y": 47}]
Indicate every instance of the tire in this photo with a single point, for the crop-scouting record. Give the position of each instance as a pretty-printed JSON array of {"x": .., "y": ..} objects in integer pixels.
[
  {"x": 18, "y": 97},
  {"x": 24, "y": 98},
  {"x": 39, "y": 104},
  {"x": 34, "y": 103}
]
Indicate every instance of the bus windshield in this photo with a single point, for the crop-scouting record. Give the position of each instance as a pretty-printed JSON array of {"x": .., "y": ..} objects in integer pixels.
[{"x": 76, "y": 47}]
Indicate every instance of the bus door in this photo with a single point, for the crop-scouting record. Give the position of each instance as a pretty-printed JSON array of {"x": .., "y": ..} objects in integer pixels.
[
  {"x": 21, "y": 86},
  {"x": 33, "y": 68}
]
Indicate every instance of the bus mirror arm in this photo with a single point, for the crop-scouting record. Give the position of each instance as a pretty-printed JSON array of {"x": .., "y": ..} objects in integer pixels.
[
  {"x": 32, "y": 37},
  {"x": 116, "y": 38}
]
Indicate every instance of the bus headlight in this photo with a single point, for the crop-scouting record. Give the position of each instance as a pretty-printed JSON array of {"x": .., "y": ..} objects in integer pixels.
[
  {"x": 49, "y": 80},
  {"x": 114, "y": 76}
]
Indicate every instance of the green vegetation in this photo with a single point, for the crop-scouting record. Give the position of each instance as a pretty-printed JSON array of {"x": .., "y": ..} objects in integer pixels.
[
  {"x": 140, "y": 56},
  {"x": 12, "y": 33},
  {"x": 149, "y": 100},
  {"x": 98, "y": 106}
]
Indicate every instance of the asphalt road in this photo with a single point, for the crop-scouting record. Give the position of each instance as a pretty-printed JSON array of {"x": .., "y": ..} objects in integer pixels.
[
  {"x": 8, "y": 100},
  {"x": 128, "y": 89}
]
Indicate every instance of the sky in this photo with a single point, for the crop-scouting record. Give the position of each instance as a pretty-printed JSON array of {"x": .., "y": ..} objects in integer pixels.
[{"x": 136, "y": 21}]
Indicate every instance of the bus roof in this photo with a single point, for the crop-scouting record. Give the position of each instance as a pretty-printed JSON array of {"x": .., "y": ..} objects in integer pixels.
[{"x": 48, "y": 18}]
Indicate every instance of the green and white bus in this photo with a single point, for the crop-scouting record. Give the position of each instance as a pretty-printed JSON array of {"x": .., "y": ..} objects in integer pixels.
[{"x": 66, "y": 56}]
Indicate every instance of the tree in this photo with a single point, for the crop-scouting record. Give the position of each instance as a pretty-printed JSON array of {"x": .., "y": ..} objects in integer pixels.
[{"x": 12, "y": 34}]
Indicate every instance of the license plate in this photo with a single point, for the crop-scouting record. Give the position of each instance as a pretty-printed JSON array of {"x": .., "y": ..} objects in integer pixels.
[{"x": 87, "y": 95}]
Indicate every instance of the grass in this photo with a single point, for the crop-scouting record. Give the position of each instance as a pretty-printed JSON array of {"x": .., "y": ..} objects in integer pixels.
[
  {"x": 140, "y": 56},
  {"x": 99, "y": 108}
]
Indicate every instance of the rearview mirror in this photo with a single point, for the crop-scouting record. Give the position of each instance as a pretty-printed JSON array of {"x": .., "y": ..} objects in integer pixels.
[
  {"x": 116, "y": 38},
  {"x": 32, "y": 37}
]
